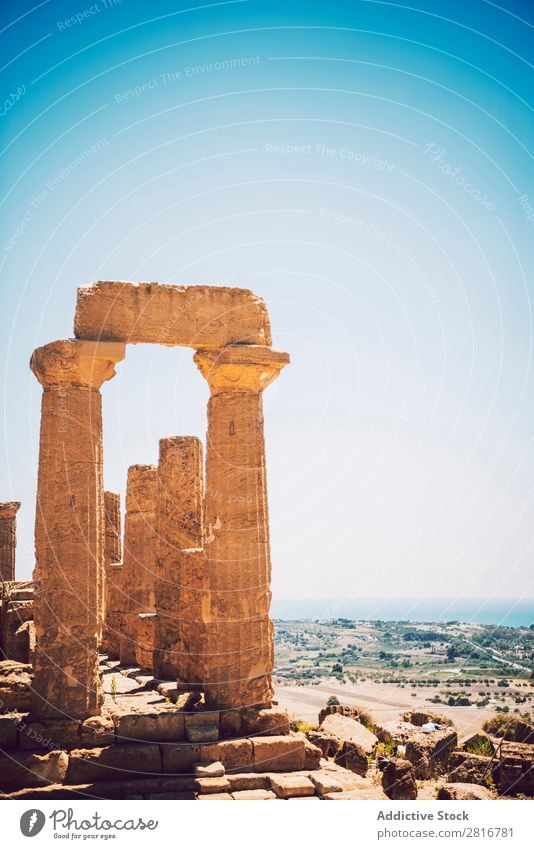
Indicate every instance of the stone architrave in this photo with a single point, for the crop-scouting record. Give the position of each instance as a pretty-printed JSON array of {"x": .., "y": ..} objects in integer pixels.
[
  {"x": 69, "y": 535},
  {"x": 139, "y": 569},
  {"x": 239, "y": 649},
  {"x": 182, "y": 590},
  {"x": 192, "y": 316},
  {"x": 113, "y": 593},
  {"x": 8, "y": 539}
]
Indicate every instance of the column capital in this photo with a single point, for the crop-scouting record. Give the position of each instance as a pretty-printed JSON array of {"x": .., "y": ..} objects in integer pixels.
[
  {"x": 240, "y": 368},
  {"x": 76, "y": 363},
  {"x": 9, "y": 509}
]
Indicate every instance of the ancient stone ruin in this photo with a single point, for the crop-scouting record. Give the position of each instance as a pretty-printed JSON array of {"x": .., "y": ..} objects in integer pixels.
[
  {"x": 139, "y": 664},
  {"x": 193, "y": 591},
  {"x": 181, "y": 600}
]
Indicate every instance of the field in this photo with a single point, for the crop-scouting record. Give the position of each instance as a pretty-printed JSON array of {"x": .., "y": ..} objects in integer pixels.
[{"x": 464, "y": 671}]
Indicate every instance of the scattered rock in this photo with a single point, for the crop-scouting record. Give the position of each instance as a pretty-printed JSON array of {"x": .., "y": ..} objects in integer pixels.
[
  {"x": 354, "y": 758},
  {"x": 32, "y": 769},
  {"x": 430, "y": 753},
  {"x": 398, "y": 781},
  {"x": 465, "y": 768},
  {"x": 349, "y": 730},
  {"x": 327, "y": 743},
  {"x": 461, "y": 792},
  {"x": 212, "y": 770}
]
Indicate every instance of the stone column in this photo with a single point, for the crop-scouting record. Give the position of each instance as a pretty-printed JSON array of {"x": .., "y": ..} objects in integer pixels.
[
  {"x": 112, "y": 535},
  {"x": 139, "y": 568},
  {"x": 8, "y": 539},
  {"x": 69, "y": 533},
  {"x": 182, "y": 587},
  {"x": 113, "y": 596},
  {"x": 240, "y": 636}
]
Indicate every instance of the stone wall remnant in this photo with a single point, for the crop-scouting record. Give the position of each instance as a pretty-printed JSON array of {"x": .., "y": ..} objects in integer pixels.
[{"x": 8, "y": 539}]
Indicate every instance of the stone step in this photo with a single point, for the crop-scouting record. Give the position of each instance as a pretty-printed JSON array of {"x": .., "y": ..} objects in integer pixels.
[
  {"x": 127, "y": 759},
  {"x": 246, "y": 786}
]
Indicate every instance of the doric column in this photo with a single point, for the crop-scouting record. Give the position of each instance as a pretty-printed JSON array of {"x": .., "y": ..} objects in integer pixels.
[
  {"x": 240, "y": 635},
  {"x": 8, "y": 539},
  {"x": 181, "y": 587},
  {"x": 69, "y": 533},
  {"x": 139, "y": 570},
  {"x": 113, "y": 595}
]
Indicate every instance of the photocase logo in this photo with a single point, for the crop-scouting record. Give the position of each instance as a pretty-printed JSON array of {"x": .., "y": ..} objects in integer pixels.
[{"x": 32, "y": 822}]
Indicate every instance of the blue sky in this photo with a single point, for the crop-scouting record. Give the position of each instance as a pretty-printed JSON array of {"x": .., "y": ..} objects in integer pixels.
[{"x": 363, "y": 166}]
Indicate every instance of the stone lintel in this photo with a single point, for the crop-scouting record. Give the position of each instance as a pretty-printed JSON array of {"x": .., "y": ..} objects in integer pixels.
[
  {"x": 190, "y": 316},
  {"x": 75, "y": 363}
]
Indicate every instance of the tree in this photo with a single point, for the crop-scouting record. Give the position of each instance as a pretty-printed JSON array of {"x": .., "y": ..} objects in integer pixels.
[
  {"x": 451, "y": 654},
  {"x": 332, "y": 700}
]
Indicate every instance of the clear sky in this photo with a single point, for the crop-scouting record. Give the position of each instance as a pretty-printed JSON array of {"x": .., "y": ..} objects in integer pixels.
[{"x": 365, "y": 167}]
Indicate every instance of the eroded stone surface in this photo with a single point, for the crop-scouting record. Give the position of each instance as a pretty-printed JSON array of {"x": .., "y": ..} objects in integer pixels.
[
  {"x": 69, "y": 536},
  {"x": 182, "y": 589},
  {"x": 239, "y": 632},
  {"x": 8, "y": 539},
  {"x": 278, "y": 754},
  {"x": 194, "y": 316},
  {"x": 139, "y": 570},
  {"x": 460, "y": 792}
]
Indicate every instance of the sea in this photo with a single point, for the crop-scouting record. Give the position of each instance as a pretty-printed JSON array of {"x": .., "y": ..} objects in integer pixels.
[{"x": 479, "y": 611}]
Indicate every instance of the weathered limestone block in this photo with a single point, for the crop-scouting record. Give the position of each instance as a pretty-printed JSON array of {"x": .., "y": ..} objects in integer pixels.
[
  {"x": 182, "y": 590},
  {"x": 288, "y": 786},
  {"x": 350, "y": 731},
  {"x": 8, "y": 539},
  {"x": 464, "y": 792},
  {"x": 194, "y": 316},
  {"x": 249, "y": 781},
  {"x": 112, "y": 535},
  {"x": 233, "y": 754},
  {"x": 116, "y": 604},
  {"x": 398, "y": 781},
  {"x": 239, "y": 632},
  {"x": 327, "y": 743},
  {"x": 112, "y": 563},
  {"x": 17, "y": 631},
  {"x": 515, "y": 773},
  {"x": 139, "y": 556},
  {"x": 69, "y": 534},
  {"x": 15, "y": 686},
  {"x": 178, "y": 759},
  {"x": 113, "y": 763},
  {"x": 214, "y": 769},
  {"x": 466, "y": 768},
  {"x": 96, "y": 731},
  {"x": 353, "y": 757},
  {"x": 430, "y": 753},
  {"x": 253, "y": 795},
  {"x": 278, "y": 754},
  {"x": 32, "y": 769},
  {"x": 146, "y": 724},
  {"x": 146, "y": 641}
]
